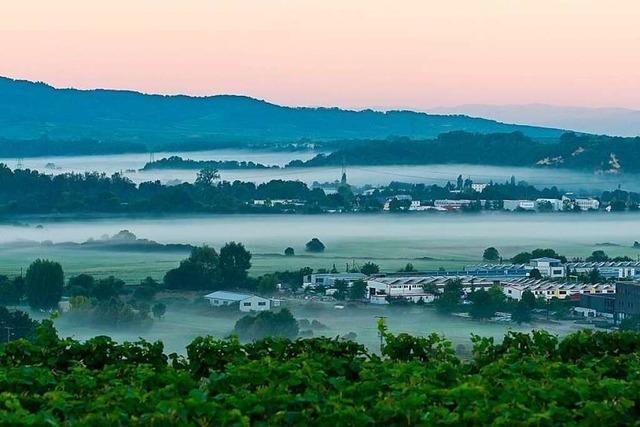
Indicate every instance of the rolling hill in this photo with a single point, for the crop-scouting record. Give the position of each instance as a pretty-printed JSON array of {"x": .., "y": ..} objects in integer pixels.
[{"x": 31, "y": 110}]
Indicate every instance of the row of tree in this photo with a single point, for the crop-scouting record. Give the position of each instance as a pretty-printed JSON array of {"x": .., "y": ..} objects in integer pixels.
[
  {"x": 572, "y": 151},
  {"x": 28, "y": 191}
]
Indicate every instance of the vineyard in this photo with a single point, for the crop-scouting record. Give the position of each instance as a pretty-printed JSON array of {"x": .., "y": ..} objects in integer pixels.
[{"x": 587, "y": 378}]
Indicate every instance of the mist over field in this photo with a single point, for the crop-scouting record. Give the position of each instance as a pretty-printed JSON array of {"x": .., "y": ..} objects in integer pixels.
[
  {"x": 426, "y": 240},
  {"x": 185, "y": 321},
  {"x": 130, "y": 165}
]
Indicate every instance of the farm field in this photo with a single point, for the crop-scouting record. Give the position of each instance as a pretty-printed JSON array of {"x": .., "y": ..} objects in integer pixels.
[{"x": 428, "y": 241}]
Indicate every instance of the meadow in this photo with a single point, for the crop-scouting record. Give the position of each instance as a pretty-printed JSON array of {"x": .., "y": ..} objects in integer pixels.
[{"x": 428, "y": 241}]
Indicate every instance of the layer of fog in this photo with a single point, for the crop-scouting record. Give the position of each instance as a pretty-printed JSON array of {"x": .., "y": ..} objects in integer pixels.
[
  {"x": 274, "y": 232},
  {"x": 129, "y": 165},
  {"x": 182, "y": 324},
  {"x": 133, "y": 161}
]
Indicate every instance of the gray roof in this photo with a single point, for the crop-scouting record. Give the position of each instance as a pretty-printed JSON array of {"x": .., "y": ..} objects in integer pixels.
[
  {"x": 544, "y": 284},
  {"x": 605, "y": 264},
  {"x": 433, "y": 280},
  {"x": 546, "y": 259},
  {"x": 338, "y": 275},
  {"x": 228, "y": 296}
]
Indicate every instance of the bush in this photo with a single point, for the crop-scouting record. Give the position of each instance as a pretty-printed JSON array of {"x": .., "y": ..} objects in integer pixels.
[
  {"x": 369, "y": 268},
  {"x": 15, "y": 325},
  {"x": 267, "y": 323},
  {"x": 11, "y": 290},
  {"x": 44, "y": 282},
  {"x": 491, "y": 254},
  {"x": 315, "y": 245},
  {"x": 158, "y": 310}
]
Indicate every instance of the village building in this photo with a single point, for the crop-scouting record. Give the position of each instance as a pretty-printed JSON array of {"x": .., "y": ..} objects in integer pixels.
[
  {"x": 246, "y": 302},
  {"x": 478, "y": 187},
  {"x": 608, "y": 269},
  {"x": 547, "y": 289},
  {"x": 328, "y": 280},
  {"x": 549, "y": 267},
  {"x": 627, "y": 299},
  {"x": 448, "y": 204},
  {"x": 584, "y": 204},
  {"x": 416, "y": 288},
  {"x": 515, "y": 205}
]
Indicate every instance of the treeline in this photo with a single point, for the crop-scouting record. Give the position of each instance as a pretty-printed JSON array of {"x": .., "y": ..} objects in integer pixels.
[
  {"x": 177, "y": 162},
  {"x": 46, "y": 146},
  {"x": 24, "y": 191},
  {"x": 27, "y": 191},
  {"x": 101, "y": 302},
  {"x": 586, "y": 378},
  {"x": 572, "y": 151},
  {"x": 511, "y": 189},
  {"x": 461, "y": 188},
  {"x": 108, "y": 302}
]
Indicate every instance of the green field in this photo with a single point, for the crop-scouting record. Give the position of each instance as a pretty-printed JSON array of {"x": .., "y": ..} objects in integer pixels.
[
  {"x": 133, "y": 266},
  {"x": 392, "y": 241}
]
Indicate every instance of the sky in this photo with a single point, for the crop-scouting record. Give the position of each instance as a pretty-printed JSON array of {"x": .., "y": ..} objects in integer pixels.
[{"x": 416, "y": 54}]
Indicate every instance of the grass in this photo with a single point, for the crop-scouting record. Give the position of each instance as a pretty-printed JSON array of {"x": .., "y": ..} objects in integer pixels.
[
  {"x": 391, "y": 255},
  {"x": 392, "y": 241}
]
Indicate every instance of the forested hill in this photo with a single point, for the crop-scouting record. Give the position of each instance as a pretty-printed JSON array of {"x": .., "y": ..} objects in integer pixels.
[
  {"x": 600, "y": 154},
  {"x": 31, "y": 110}
]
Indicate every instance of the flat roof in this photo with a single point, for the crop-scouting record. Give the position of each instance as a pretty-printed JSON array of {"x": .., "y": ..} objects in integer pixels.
[{"x": 229, "y": 296}]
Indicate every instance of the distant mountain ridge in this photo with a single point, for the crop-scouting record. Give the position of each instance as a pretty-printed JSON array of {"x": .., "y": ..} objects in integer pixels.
[
  {"x": 604, "y": 121},
  {"x": 31, "y": 110}
]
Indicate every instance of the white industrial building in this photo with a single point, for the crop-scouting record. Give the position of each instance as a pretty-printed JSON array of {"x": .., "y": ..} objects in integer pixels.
[
  {"x": 549, "y": 267},
  {"x": 328, "y": 280},
  {"x": 552, "y": 289},
  {"x": 514, "y": 205},
  {"x": 416, "y": 288},
  {"x": 451, "y": 204},
  {"x": 609, "y": 269},
  {"x": 585, "y": 204},
  {"x": 246, "y": 302}
]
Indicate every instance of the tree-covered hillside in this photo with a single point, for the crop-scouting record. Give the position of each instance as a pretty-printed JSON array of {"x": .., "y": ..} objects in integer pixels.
[
  {"x": 29, "y": 110},
  {"x": 600, "y": 154}
]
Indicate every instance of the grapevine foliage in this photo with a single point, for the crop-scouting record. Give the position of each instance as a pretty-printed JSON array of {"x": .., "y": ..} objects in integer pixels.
[{"x": 587, "y": 378}]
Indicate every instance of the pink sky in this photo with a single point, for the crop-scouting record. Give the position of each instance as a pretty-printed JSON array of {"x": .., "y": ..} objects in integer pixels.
[{"x": 350, "y": 53}]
